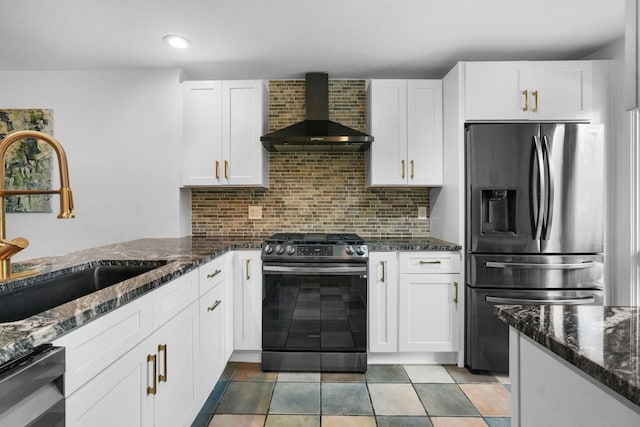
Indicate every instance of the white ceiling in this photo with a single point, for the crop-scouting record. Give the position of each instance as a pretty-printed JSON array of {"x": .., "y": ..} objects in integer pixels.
[{"x": 237, "y": 39}]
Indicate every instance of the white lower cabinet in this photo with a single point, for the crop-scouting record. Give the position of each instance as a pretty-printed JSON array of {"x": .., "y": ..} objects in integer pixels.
[
  {"x": 413, "y": 302},
  {"x": 212, "y": 311},
  {"x": 151, "y": 385},
  {"x": 383, "y": 302},
  {"x": 247, "y": 300}
]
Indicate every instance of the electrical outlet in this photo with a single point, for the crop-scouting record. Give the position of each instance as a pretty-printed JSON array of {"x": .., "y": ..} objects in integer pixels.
[
  {"x": 255, "y": 212},
  {"x": 422, "y": 212}
]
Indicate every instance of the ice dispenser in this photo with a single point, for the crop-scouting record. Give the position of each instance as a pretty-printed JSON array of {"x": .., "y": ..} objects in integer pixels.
[{"x": 498, "y": 211}]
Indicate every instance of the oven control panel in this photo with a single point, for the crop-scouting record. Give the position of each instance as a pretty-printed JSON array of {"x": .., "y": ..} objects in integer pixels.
[{"x": 315, "y": 250}]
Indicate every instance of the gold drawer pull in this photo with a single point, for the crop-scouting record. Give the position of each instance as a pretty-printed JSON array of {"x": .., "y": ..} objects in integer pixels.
[
  {"x": 163, "y": 348},
  {"x": 526, "y": 100},
  {"x": 535, "y": 102},
  {"x": 382, "y": 278},
  {"x": 403, "y": 169},
  {"x": 214, "y": 306},
  {"x": 412, "y": 169},
  {"x": 246, "y": 267},
  {"x": 214, "y": 274},
  {"x": 455, "y": 299},
  {"x": 226, "y": 167},
  {"x": 217, "y": 169},
  {"x": 152, "y": 358},
  {"x": 430, "y": 262}
]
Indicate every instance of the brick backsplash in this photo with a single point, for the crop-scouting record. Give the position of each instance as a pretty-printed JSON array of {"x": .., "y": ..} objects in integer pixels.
[{"x": 312, "y": 191}]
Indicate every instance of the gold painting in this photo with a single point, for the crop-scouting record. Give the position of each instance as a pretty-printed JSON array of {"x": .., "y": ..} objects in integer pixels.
[{"x": 27, "y": 164}]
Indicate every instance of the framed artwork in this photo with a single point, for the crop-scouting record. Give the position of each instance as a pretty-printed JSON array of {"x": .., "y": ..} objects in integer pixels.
[{"x": 27, "y": 163}]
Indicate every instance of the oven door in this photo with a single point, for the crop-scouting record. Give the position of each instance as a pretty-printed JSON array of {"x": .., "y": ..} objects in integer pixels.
[{"x": 314, "y": 307}]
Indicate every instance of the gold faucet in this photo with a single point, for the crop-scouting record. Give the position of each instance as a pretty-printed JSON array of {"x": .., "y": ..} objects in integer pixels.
[{"x": 8, "y": 248}]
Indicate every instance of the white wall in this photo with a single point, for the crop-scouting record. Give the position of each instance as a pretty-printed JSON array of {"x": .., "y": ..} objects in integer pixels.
[
  {"x": 121, "y": 130},
  {"x": 618, "y": 168}
]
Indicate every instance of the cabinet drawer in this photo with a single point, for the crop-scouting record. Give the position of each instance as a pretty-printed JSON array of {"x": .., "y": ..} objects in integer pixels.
[
  {"x": 173, "y": 297},
  {"x": 212, "y": 274},
  {"x": 429, "y": 262},
  {"x": 96, "y": 345}
]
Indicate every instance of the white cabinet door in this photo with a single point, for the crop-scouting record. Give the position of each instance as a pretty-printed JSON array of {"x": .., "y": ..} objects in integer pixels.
[
  {"x": 175, "y": 343},
  {"x": 383, "y": 302},
  {"x": 212, "y": 312},
  {"x": 424, "y": 132},
  {"x": 247, "y": 300},
  {"x": 405, "y": 118},
  {"x": 202, "y": 132},
  {"x": 222, "y": 125},
  {"x": 559, "y": 90},
  {"x": 492, "y": 91},
  {"x": 387, "y": 122},
  {"x": 117, "y": 396},
  {"x": 522, "y": 90},
  {"x": 243, "y": 117},
  {"x": 428, "y": 312}
]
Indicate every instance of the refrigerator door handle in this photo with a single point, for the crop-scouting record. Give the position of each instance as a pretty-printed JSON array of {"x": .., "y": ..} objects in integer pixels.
[
  {"x": 542, "y": 189},
  {"x": 533, "y": 301},
  {"x": 533, "y": 265},
  {"x": 548, "y": 197}
]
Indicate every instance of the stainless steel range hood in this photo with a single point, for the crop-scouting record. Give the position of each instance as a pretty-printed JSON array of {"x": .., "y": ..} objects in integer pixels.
[{"x": 317, "y": 132}]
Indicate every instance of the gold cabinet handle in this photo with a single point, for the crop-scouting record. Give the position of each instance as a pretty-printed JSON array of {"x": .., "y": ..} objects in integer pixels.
[
  {"x": 535, "y": 102},
  {"x": 455, "y": 298},
  {"x": 412, "y": 169},
  {"x": 152, "y": 358},
  {"x": 214, "y": 274},
  {"x": 525, "y": 93},
  {"x": 163, "y": 348},
  {"x": 217, "y": 169},
  {"x": 226, "y": 169},
  {"x": 403, "y": 169},
  {"x": 430, "y": 262},
  {"x": 382, "y": 278},
  {"x": 246, "y": 268},
  {"x": 214, "y": 306}
]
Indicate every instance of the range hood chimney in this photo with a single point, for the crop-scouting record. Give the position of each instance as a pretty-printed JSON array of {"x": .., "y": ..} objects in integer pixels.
[{"x": 316, "y": 132}]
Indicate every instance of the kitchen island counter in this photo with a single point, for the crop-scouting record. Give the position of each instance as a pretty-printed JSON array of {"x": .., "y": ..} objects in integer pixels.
[
  {"x": 602, "y": 342},
  {"x": 182, "y": 255}
]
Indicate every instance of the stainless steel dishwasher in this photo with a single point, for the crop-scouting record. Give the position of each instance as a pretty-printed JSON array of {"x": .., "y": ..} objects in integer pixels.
[{"x": 32, "y": 389}]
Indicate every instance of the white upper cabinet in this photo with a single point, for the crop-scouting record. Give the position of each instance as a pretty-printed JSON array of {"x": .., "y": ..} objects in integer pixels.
[
  {"x": 405, "y": 118},
  {"x": 524, "y": 90},
  {"x": 222, "y": 125}
]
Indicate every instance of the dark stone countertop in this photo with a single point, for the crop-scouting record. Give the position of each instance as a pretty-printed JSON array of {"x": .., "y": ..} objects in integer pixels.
[
  {"x": 182, "y": 255},
  {"x": 603, "y": 342},
  {"x": 380, "y": 244}
]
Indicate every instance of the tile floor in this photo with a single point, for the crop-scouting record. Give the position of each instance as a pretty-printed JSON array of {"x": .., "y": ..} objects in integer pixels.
[{"x": 386, "y": 396}]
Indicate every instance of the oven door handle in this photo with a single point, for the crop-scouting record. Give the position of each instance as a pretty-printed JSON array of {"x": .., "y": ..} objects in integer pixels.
[
  {"x": 333, "y": 269},
  {"x": 534, "y": 301}
]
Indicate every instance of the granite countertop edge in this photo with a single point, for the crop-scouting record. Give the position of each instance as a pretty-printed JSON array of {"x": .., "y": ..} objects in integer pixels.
[
  {"x": 182, "y": 255},
  {"x": 519, "y": 318}
]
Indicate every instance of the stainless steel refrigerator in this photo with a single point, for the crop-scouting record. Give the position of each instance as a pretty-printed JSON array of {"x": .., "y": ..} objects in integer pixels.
[{"x": 534, "y": 225}]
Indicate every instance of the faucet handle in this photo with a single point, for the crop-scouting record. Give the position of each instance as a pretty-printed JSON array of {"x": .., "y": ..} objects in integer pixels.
[{"x": 18, "y": 242}]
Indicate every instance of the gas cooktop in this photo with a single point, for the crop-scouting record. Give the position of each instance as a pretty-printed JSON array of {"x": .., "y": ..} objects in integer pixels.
[{"x": 320, "y": 238}]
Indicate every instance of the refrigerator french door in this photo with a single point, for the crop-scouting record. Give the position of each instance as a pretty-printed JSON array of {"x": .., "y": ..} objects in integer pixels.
[{"x": 534, "y": 221}]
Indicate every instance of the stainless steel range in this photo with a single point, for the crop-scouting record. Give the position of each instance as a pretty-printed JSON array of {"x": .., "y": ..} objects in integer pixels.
[{"x": 314, "y": 303}]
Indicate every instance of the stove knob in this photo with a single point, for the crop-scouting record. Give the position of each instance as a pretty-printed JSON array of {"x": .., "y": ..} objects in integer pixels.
[
  {"x": 361, "y": 250},
  {"x": 290, "y": 250},
  {"x": 279, "y": 250},
  {"x": 349, "y": 250},
  {"x": 268, "y": 249}
]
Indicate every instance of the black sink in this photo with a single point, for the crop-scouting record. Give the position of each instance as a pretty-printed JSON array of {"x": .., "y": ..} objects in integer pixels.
[{"x": 41, "y": 295}]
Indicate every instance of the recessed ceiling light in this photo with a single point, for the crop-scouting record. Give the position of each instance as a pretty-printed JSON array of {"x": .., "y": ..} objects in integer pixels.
[{"x": 178, "y": 42}]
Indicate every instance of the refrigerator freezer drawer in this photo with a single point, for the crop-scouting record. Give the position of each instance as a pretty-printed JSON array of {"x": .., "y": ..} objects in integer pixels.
[
  {"x": 535, "y": 271},
  {"x": 487, "y": 338}
]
